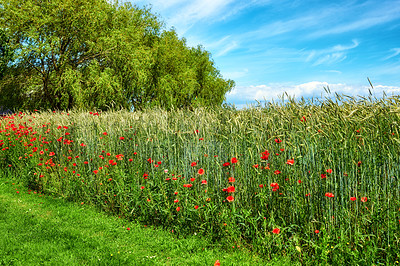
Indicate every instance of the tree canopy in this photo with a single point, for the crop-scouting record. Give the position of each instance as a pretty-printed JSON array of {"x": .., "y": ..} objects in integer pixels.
[{"x": 64, "y": 54}]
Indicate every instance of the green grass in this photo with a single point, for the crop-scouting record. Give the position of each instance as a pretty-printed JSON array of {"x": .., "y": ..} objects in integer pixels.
[{"x": 40, "y": 230}]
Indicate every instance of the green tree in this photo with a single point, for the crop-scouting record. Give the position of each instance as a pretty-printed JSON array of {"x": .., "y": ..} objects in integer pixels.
[
  {"x": 96, "y": 54},
  {"x": 5, "y": 53}
]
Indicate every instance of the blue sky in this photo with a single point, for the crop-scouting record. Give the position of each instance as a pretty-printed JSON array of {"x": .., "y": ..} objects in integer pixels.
[{"x": 299, "y": 46}]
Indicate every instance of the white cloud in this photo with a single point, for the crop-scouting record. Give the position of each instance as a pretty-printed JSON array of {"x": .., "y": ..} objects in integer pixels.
[{"x": 315, "y": 89}]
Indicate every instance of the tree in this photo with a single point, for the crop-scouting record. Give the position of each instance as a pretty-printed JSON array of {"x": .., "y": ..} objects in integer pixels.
[{"x": 96, "y": 54}]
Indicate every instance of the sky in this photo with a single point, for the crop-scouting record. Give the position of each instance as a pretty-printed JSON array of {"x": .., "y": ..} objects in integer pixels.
[{"x": 296, "y": 47}]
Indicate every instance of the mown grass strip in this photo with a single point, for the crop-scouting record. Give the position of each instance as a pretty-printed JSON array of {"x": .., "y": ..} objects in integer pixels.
[{"x": 37, "y": 229}]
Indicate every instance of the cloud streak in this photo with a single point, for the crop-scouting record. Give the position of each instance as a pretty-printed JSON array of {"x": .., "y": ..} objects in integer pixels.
[
  {"x": 395, "y": 52},
  {"x": 332, "y": 55}
]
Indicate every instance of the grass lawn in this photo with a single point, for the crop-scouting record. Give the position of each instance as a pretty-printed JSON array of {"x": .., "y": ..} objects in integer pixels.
[{"x": 37, "y": 229}]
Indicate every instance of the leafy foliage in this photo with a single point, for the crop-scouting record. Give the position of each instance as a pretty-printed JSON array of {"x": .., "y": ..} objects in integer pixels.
[{"x": 97, "y": 54}]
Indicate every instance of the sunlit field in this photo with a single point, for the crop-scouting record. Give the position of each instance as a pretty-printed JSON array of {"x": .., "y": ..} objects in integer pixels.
[{"x": 316, "y": 182}]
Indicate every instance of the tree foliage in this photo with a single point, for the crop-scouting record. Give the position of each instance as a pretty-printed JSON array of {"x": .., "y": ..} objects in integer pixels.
[{"x": 96, "y": 54}]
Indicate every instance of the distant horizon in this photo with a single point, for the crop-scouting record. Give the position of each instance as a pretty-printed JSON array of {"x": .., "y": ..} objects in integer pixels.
[{"x": 298, "y": 47}]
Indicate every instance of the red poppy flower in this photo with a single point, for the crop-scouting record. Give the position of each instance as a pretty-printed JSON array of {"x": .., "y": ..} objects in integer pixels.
[
  {"x": 234, "y": 160},
  {"x": 277, "y": 172},
  {"x": 192, "y": 179},
  {"x": 121, "y": 138},
  {"x": 105, "y": 133},
  {"x": 178, "y": 209},
  {"x": 95, "y": 171},
  {"x": 204, "y": 182},
  {"x": 52, "y": 154},
  {"x": 276, "y": 231},
  {"x": 299, "y": 181},
  {"x": 142, "y": 187},
  {"x": 261, "y": 185},
  {"x": 329, "y": 195},
  {"x": 290, "y": 162},
  {"x": 230, "y": 189},
  {"x": 217, "y": 263},
  {"x": 193, "y": 164},
  {"x": 196, "y": 207},
  {"x": 226, "y": 164},
  {"x": 353, "y": 198},
  {"x": 201, "y": 171},
  {"x": 316, "y": 231},
  {"x": 364, "y": 199},
  {"x": 278, "y": 140},
  {"x": 329, "y": 171},
  {"x": 128, "y": 228},
  {"x": 323, "y": 176},
  {"x": 255, "y": 166},
  {"x": 187, "y": 185},
  {"x": 176, "y": 201},
  {"x": 231, "y": 180},
  {"x": 359, "y": 163},
  {"x": 230, "y": 198}
]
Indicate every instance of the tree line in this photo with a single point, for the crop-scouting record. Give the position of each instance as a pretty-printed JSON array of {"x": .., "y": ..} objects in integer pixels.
[{"x": 86, "y": 54}]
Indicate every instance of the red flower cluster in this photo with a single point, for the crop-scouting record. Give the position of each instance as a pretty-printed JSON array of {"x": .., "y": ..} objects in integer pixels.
[
  {"x": 275, "y": 186},
  {"x": 226, "y": 164},
  {"x": 265, "y": 155}
]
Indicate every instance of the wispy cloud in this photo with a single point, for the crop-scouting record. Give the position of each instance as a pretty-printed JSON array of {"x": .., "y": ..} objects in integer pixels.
[
  {"x": 394, "y": 52},
  {"x": 331, "y": 55},
  {"x": 231, "y": 46},
  {"x": 183, "y": 14},
  {"x": 361, "y": 17},
  {"x": 236, "y": 74}
]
